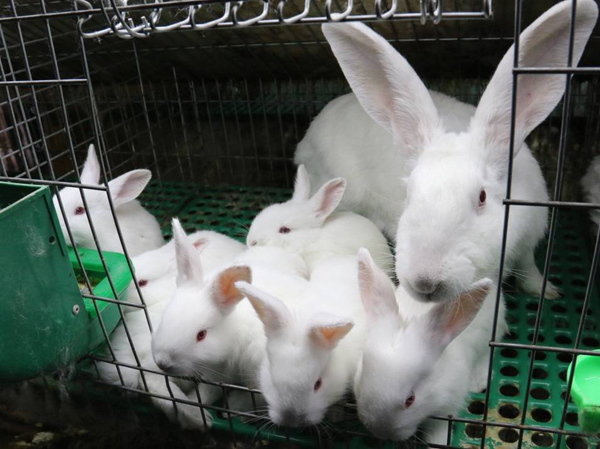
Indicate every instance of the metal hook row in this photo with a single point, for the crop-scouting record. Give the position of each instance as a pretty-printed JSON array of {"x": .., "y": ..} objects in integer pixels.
[{"x": 122, "y": 24}]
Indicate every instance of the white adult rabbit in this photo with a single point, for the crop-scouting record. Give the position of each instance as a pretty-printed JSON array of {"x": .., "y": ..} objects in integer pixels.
[
  {"x": 140, "y": 230},
  {"x": 188, "y": 416},
  {"x": 309, "y": 226},
  {"x": 205, "y": 329},
  {"x": 156, "y": 270},
  {"x": 313, "y": 345},
  {"x": 441, "y": 166},
  {"x": 590, "y": 185},
  {"x": 418, "y": 358}
]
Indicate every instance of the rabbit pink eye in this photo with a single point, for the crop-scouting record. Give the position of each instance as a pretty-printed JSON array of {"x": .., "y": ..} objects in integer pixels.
[
  {"x": 318, "y": 384},
  {"x": 482, "y": 197},
  {"x": 284, "y": 230},
  {"x": 201, "y": 336},
  {"x": 80, "y": 210},
  {"x": 409, "y": 401},
  {"x": 142, "y": 283}
]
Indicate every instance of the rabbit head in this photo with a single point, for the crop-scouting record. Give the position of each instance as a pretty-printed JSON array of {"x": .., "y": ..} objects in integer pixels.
[
  {"x": 195, "y": 337},
  {"x": 295, "y": 224},
  {"x": 451, "y": 226},
  {"x": 123, "y": 190},
  {"x": 398, "y": 372},
  {"x": 298, "y": 377}
]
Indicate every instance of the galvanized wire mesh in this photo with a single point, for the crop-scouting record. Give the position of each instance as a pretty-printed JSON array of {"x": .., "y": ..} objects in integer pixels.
[{"x": 226, "y": 106}]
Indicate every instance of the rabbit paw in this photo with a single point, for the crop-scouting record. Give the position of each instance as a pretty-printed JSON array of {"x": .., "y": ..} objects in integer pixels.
[{"x": 533, "y": 286}]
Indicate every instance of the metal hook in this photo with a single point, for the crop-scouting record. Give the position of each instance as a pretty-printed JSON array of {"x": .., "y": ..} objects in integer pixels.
[
  {"x": 389, "y": 13},
  {"x": 204, "y": 26},
  {"x": 295, "y": 18},
  {"x": 243, "y": 23},
  {"x": 431, "y": 8},
  {"x": 82, "y": 20},
  {"x": 132, "y": 30},
  {"x": 155, "y": 18},
  {"x": 336, "y": 17},
  {"x": 488, "y": 11}
]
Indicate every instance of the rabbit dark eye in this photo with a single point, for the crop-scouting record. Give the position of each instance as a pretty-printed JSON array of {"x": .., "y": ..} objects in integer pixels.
[
  {"x": 284, "y": 230},
  {"x": 142, "y": 283},
  {"x": 482, "y": 197},
  {"x": 201, "y": 336},
  {"x": 409, "y": 401},
  {"x": 318, "y": 384},
  {"x": 80, "y": 210}
]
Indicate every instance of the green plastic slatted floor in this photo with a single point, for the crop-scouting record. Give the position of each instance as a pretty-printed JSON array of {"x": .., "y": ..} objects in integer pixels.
[{"x": 231, "y": 209}]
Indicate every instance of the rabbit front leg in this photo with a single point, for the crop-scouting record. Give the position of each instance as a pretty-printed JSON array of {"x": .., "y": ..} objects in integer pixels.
[
  {"x": 530, "y": 280},
  {"x": 189, "y": 416}
]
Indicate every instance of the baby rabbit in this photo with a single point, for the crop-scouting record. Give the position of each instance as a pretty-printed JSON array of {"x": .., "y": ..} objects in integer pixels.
[
  {"x": 590, "y": 185},
  {"x": 448, "y": 232},
  {"x": 206, "y": 329},
  {"x": 313, "y": 344},
  {"x": 308, "y": 225},
  {"x": 156, "y": 270},
  {"x": 418, "y": 357},
  {"x": 140, "y": 230}
]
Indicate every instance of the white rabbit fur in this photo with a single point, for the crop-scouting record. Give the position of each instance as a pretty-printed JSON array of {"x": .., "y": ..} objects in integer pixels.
[
  {"x": 187, "y": 415},
  {"x": 233, "y": 344},
  {"x": 140, "y": 230},
  {"x": 418, "y": 351},
  {"x": 313, "y": 343},
  {"x": 156, "y": 270},
  {"x": 315, "y": 230},
  {"x": 444, "y": 238},
  {"x": 590, "y": 185}
]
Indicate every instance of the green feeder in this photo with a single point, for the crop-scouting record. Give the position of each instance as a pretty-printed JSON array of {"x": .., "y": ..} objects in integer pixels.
[
  {"x": 585, "y": 391},
  {"x": 45, "y": 323}
]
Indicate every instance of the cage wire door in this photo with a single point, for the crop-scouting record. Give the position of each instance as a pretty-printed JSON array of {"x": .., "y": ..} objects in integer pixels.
[{"x": 220, "y": 138}]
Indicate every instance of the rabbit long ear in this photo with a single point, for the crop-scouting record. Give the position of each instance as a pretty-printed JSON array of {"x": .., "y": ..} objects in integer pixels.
[
  {"x": 327, "y": 330},
  {"x": 327, "y": 198},
  {"x": 91, "y": 169},
  {"x": 447, "y": 320},
  {"x": 385, "y": 84},
  {"x": 376, "y": 289},
  {"x": 129, "y": 186},
  {"x": 225, "y": 293},
  {"x": 273, "y": 313},
  {"x": 189, "y": 268},
  {"x": 545, "y": 43},
  {"x": 302, "y": 185}
]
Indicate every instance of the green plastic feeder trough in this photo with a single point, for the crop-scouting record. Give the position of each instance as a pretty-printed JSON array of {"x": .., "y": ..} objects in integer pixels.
[
  {"x": 586, "y": 391},
  {"x": 45, "y": 323}
]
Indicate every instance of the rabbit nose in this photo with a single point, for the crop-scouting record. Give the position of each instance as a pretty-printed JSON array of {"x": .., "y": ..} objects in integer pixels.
[
  {"x": 164, "y": 363},
  {"x": 425, "y": 286},
  {"x": 253, "y": 243},
  {"x": 290, "y": 418}
]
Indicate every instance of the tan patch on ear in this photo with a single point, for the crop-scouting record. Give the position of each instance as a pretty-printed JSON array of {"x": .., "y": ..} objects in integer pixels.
[
  {"x": 227, "y": 291},
  {"x": 329, "y": 336}
]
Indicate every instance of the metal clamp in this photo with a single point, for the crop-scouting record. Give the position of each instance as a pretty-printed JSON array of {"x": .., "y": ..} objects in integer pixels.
[
  {"x": 337, "y": 16},
  {"x": 293, "y": 19},
  {"x": 248, "y": 22},
  {"x": 431, "y": 8},
  {"x": 389, "y": 13}
]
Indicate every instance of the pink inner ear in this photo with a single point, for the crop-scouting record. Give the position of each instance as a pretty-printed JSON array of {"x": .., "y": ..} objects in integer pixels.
[{"x": 331, "y": 197}]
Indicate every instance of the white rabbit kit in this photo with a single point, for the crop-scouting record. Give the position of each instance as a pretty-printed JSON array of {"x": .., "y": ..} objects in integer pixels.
[{"x": 339, "y": 261}]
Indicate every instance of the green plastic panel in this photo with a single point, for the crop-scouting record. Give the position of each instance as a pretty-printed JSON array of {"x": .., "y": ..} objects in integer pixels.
[{"x": 569, "y": 269}]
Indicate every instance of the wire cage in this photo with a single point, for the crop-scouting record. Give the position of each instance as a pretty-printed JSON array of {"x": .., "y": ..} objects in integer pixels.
[{"x": 213, "y": 97}]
